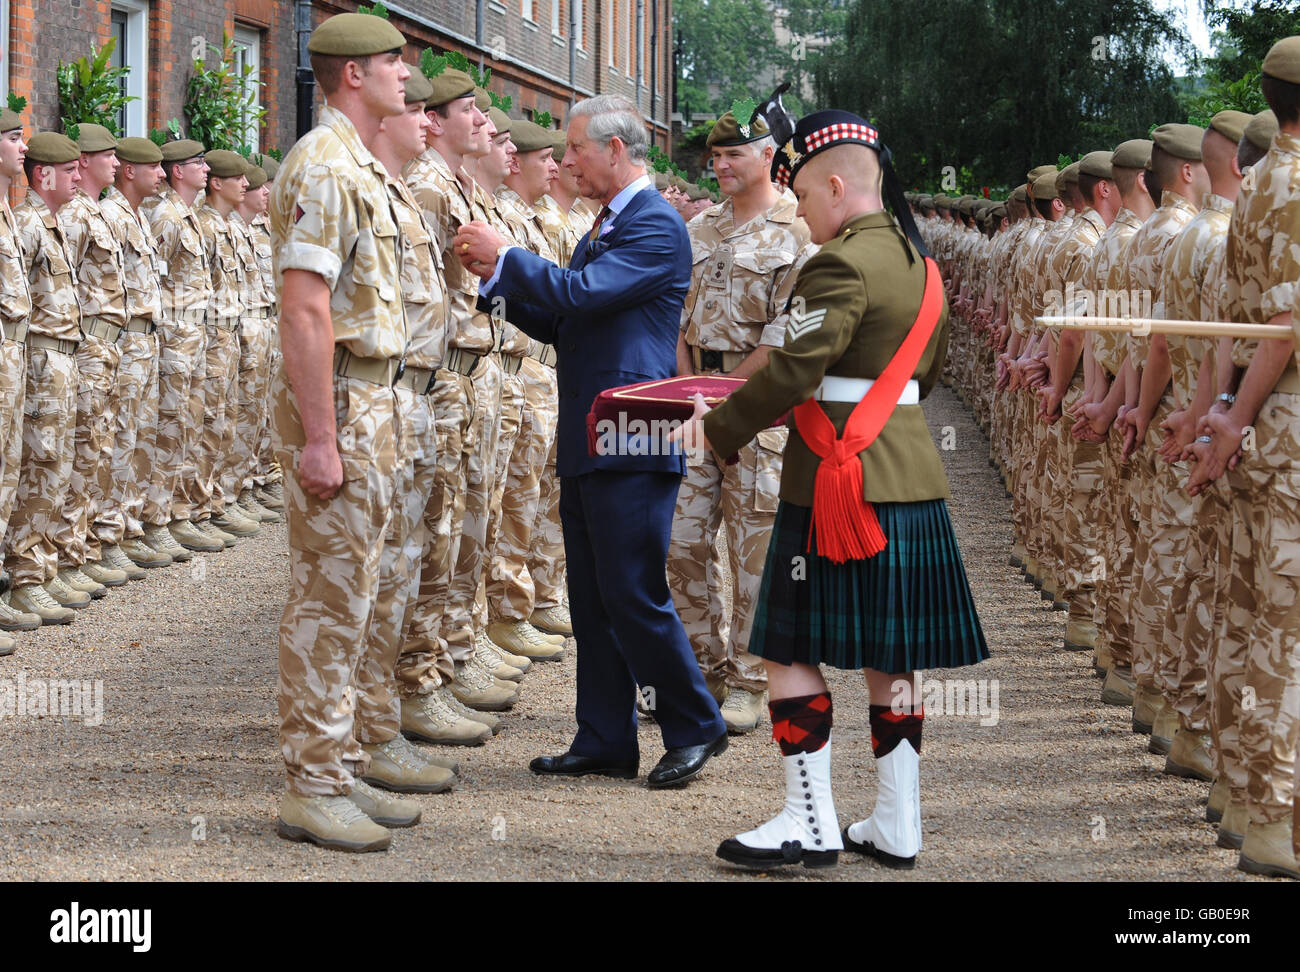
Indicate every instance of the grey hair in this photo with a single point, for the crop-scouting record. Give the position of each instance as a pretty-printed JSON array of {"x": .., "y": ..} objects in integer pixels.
[
  {"x": 612, "y": 115},
  {"x": 759, "y": 144}
]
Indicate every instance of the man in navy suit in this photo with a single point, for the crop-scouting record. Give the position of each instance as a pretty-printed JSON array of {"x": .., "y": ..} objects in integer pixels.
[{"x": 613, "y": 316}]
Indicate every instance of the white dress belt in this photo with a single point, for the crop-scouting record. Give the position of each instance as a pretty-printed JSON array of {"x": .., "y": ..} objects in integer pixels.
[{"x": 834, "y": 389}]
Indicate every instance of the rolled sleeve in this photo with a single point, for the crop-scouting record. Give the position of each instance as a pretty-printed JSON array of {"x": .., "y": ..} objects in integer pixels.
[{"x": 296, "y": 255}]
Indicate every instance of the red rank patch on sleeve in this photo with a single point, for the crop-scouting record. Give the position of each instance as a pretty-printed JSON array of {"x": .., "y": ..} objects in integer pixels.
[{"x": 298, "y": 213}]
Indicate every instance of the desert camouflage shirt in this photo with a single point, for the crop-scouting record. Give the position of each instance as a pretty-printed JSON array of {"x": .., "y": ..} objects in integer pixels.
[
  {"x": 1183, "y": 288},
  {"x": 182, "y": 261},
  {"x": 139, "y": 257},
  {"x": 423, "y": 292},
  {"x": 56, "y": 311},
  {"x": 96, "y": 253},
  {"x": 15, "y": 301}
]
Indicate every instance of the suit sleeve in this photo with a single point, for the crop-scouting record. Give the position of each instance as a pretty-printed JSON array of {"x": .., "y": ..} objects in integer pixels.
[
  {"x": 641, "y": 264},
  {"x": 827, "y": 306}
]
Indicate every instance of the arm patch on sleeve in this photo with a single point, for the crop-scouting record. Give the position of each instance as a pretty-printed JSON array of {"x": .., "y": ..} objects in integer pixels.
[{"x": 804, "y": 323}]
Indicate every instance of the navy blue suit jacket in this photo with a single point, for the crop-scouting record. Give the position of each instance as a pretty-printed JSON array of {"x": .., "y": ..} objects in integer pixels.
[{"x": 613, "y": 316}]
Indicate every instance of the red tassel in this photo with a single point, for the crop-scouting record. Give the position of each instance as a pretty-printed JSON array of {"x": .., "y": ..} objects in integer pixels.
[{"x": 845, "y": 524}]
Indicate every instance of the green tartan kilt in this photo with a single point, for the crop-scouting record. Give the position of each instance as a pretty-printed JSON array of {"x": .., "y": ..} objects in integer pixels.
[{"x": 907, "y": 608}]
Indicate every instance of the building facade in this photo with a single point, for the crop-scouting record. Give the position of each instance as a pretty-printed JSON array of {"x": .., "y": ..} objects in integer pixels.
[{"x": 543, "y": 54}]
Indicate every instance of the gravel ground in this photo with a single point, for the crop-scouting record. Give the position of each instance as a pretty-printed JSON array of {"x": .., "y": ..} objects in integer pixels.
[{"x": 182, "y": 778}]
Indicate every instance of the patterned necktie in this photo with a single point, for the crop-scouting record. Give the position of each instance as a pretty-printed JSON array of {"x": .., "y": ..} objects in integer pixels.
[{"x": 605, "y": 211}]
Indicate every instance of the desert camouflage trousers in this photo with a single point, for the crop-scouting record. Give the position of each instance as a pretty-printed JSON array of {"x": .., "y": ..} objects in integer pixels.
[
  {"x": 465, "y": 617},
  {"x": 1113, "y": 596},
  {"x": 82, "y": 533},
  {"x": 742, "y": 499},
  {"x": 378, "y": 701},
  {"x": 216, "y": 445},
  {"x": 1257, "y": 665},
  {"x": 182, "y": 364},
  {"x": 1082, "y": 559},
  {"x": 253, "y": 386},
  {"x": 49, "y": 425},
  {"x": 509, "y": 430},
  {"x": 510, "y": 586},
  {"x": 13, "y": 392},
  {"x": 135, "y": 436},
  {"x": 546, "y": 556},
  {"x": 265, "y": 466},
  {"x": 1195, "y": 605},
  {"x": 338, "y": 555},
  {"x": 425, "y": 661}
]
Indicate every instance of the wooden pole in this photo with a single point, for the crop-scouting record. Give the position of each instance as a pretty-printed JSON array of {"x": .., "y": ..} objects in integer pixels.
[{"x": 1150, "y": 325}]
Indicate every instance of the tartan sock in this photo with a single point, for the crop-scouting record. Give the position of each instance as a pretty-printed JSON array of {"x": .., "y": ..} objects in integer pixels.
[
  {"x": 801, "y": 724},
  {"x": 889, "y": 728}
]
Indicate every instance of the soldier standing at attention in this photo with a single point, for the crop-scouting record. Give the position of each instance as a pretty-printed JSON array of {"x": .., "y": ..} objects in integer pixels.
[
  {"x": 138, "y": 177},
  {"x": 218, "y": 446},
  {"x": 745, "y": 253},
  {"x": 337, "y": 251},
  {"x": 176, "y": 492},
  {"x": 53, "y": 173},
  {"x": 90, "y": 527},
  {"x": 15, "y": 309}
]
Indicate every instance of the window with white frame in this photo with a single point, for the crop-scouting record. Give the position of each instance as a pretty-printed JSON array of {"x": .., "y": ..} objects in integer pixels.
[
  {"x": 555, "y": 18},
  {"x": 130, "y": 29},
  {"x": 248, "y": 53},
  {"x": 4, "y": 51},
  {"x": 577, "y": 22},
  {"x": 528, "y": 11}
]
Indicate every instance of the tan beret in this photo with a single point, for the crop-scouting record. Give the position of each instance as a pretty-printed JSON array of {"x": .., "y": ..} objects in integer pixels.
[
  {"x": 269, "y": 166},
  {"x": 448, "y": 85},
  {"x": 1096, "y": 164},
  {"x": 729, "y": 130},
  {"x": 661, "y": 180},
  {"x": 1231, "y": 124},
  {"x": 95, "y": 138},
  {"x": 9, "y": 120},
  {"x": 1019, "y": 194},
  {"x": 52, "y": 148},
  {"x": 1133, "y": 154},
  {"x": 256, "y": 176},
  {"x": 528, "y": 136},
  {"x": 558, "y": 144},
  {"x": 181, "y": 149},
  {"x": 1283, "y": 60},
  {"x": 417, "y": 86},
  {"x": 500, "y": 120},
  {"x": 228, "y": 165},
  {"x": 1045, "y": 187},
  {"x": 482, "y": 100},
  {"x": 1180, "y": 141},
  {"x": 138, "y": 151},
  {"x": 1069, "y": 176},
  {"x": 1259, "y": 132},
  {"x": 355, "y": 35},
  {"x": 1038, "y": 172}
]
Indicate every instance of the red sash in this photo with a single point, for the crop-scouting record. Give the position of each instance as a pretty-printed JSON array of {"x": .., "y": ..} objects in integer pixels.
[{"x": 845, "y": 523}]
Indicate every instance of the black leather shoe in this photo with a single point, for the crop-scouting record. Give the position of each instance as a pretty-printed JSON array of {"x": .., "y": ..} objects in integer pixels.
[
  {"x": 684, "y": 763},
  {"x": 570, "y": 765}
]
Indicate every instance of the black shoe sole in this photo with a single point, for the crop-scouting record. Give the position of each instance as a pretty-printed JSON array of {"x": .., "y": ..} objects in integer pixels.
[
  {"x": 613, "y": 774},
  {"x": 1141, "y": 728},
  {"x": 1244, "y": 863},
  {"x": 1187, "y": 773},
  {"x": 290, "y": 832},
  {"x": 20, "y": 627},
  {"x": 1228, "y": 840},
  {"x": 764, "y": 859},
  {"x": 1075, "y": 646},
  {"x": 882, "y": 857},
  {"x": 1159, "y": 746},
  {"x": 682, "y": 780}
]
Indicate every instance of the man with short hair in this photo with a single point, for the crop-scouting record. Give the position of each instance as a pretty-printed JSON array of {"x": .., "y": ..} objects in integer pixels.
[
  {"x": 337, "y": 249},
  {"x": 619, "y": 301},
  {"x": 138, "y": 177},
  {"x": 92, "y": 527},
  {"x": 218, "y": 456},
  {"x": 746, "y": 255},
  {"x": 53, "y": 171},
  {"x": 15, "y": 309},
  {"x": 177, "y": 493}
]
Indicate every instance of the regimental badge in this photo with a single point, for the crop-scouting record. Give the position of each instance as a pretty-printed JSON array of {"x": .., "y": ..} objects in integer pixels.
[
  {"x": 804, "y": 323},
  {"x": 744, "y": 131},
  {"x": 791, "y": 154}
]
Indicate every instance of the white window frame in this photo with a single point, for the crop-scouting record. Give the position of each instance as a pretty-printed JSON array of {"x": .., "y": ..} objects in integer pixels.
[
  {"x": 7, "y": 54},
  {"x": 527, "y": 11},
  {"x": 611, "y": 9},
  {"x": 557, "y": 18},
  {"x": 577, "y": 23},
  {"x": 136, "y": 57},
  {"x": 248, "y": 43}
]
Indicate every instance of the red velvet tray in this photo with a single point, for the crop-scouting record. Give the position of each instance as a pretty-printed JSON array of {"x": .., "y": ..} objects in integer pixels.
[{"x": 661, "y": 399}]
